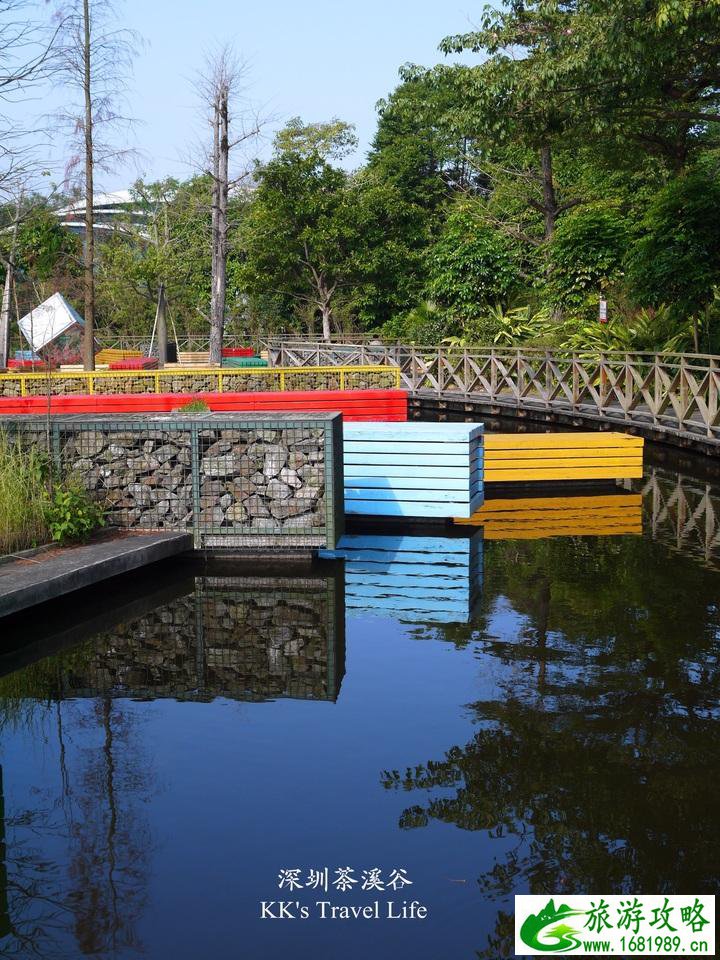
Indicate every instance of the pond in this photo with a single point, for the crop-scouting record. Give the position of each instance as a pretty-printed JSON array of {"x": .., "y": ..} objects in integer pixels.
[{"x": 501, "y": 712}]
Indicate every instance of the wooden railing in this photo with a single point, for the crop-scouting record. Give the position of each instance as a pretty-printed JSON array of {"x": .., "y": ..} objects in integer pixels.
[
  {"x": 675, "y": 394},
  {"x": 198, "y": 380}
]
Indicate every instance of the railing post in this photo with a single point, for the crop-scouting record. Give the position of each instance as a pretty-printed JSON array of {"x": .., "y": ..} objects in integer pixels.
[
  {"x": 603, "y": 383},
  {"x": 683, "y": 391},
  {"x": 575, "y": 381},
  {"x": 440, "y": 371},
  {"x": 712, "y": 398}
]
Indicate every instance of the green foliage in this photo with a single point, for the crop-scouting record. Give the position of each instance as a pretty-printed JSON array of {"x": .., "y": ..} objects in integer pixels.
[
  {"x": 425, "y": 324},
  {"x": 71, "y": 514},
  {"x": 586, "y": 253},
  {"x": 194, "y": 406},
  {"x": 471, "y": 265},
  {"x": 22, "y": 495},
  {"x": 677, "y": 257}
]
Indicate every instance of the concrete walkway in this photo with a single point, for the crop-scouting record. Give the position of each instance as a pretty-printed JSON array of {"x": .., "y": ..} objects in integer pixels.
[{"x": 47, "y": 576}]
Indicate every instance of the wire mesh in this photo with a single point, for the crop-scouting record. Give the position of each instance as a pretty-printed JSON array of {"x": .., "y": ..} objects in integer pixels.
[
  {"x": 233, "y": 637},
  {"x": 231, "y": 479}
]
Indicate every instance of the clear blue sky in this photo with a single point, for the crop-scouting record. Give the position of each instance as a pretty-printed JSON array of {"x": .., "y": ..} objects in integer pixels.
[{"x": 311, "y": 58}]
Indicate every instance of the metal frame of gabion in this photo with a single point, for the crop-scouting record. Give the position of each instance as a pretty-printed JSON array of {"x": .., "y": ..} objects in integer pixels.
[{"x": 259, "y": 480}]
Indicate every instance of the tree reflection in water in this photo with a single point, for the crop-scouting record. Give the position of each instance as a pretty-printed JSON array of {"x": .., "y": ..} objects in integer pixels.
[
  {"x": 598, "y": 749},
  {"x": 97, "y": 816}
]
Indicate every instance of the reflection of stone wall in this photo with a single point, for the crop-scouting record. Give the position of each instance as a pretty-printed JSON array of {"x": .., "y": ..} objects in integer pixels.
[
  {"x": 236, "y": 638},
  {"x": 224, "y": 477}
]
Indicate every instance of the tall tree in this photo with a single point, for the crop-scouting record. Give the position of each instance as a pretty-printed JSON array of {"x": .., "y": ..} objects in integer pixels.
[
  {"x": 221, "y": 91},
  {"x": 96, "y": 55}
]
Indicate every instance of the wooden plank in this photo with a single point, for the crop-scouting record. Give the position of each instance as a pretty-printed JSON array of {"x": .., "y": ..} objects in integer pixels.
[
  {"x": 387, "y": 509},
  {"x": 393, "y": 470},
  {"x": 402, "y": 484},
  {"x": 493, "y": 475},
  {"x": 520, "y": 441},
  {"x": 450, "y": 459},
  {"x": 406, "y": 449},
  {"x": 413, "y": 432},
  {"x": 540, "y": 464},
  {"x": 405, "y": 496},
  {"x": 592, "y": 453}
]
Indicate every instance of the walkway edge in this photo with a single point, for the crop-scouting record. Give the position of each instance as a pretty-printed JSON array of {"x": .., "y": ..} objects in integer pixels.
[{"x": 73, "y": 569}]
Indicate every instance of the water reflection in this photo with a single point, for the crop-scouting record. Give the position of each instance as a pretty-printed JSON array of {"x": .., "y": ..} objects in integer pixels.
[
  {"x": 532, "y": 704},
  {"x": 414, "y": 578},
  {"x": 240, "y": 638}
]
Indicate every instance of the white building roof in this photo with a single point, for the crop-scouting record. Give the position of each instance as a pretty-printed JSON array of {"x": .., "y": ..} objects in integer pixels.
[{"x": 46, "y": 322}]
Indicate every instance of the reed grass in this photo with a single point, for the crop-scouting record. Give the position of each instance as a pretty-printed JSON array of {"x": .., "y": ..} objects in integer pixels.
[{"x": 22, "y": 496}]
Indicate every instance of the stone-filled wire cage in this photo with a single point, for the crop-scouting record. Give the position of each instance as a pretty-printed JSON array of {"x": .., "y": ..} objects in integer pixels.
[{"x": 233, "y": 480}]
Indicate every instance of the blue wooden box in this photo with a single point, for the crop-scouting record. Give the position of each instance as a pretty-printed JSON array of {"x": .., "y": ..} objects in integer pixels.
[
  {"x": 413, "y": 469},
  {"x": 413, "y": 579}
]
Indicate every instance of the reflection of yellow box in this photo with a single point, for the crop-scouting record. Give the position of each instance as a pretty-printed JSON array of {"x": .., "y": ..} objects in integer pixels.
[
  {"x": 534, "y": 518},
  {"x": 522, "y": 457}
]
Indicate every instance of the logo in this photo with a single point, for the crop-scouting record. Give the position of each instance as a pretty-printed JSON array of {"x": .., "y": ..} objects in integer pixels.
[{"x": 549, "y": 931}]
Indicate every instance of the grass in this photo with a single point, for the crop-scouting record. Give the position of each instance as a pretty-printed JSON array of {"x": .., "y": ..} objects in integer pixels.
[
  {"x": 194, "y": 406},
  {"x": 22, "y": 497}
]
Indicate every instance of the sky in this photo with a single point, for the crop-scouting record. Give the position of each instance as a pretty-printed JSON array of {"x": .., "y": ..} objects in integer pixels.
[{"x": 316, "y": 59}]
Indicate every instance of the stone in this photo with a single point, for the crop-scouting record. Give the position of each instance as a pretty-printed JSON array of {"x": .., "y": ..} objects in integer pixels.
[
  {"x": 211, "y": 517},
  {"x": 141, "y": 492},
  {"x": 275, "y": 460},
  {"x": 256, "y": 507},
  {"x": 290, "y": 477},
  {"x": 236, "y": 513},
  {"x": 89, "y": 443},
  {"x": 217, "y": 448},
  {"x": 218, "y": 466},
  {"x": 277, "y": 490},
  {"x": 166, "y": 452},
  {"x": 226, "y": 501},
  {"x": 282, "y": 509}
]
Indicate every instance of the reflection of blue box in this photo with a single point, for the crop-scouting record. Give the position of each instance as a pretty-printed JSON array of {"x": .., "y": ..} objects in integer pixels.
[
  {"x": 416, "y": 579},
  {"x": 413, "y": 469}
]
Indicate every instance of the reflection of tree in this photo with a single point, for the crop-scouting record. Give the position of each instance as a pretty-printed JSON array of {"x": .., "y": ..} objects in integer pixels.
[
  {"x": 110, "y": 838},
  {"x": 94, "y": 906},
  {"x": 598, "y": 748}
]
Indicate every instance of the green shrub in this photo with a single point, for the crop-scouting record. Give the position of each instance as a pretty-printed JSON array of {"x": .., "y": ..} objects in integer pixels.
[
  {"x": 586, "y": 253},
  {"x": 71, "y": 514},
  {"x": 677, "y": 258},
  {"x": 472, "y": 265}
]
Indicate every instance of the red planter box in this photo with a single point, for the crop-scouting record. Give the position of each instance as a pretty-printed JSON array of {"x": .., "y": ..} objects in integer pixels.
[
  {"x": 238, "y": 352},
  {"x": 359, "y": 405}
]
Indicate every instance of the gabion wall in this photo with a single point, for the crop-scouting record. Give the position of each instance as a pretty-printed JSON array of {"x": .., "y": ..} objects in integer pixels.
[{"x": 231, "y": 479}]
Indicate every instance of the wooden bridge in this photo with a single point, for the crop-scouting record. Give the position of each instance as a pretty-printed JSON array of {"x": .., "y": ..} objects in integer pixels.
[{"x": 673, "y": 398}]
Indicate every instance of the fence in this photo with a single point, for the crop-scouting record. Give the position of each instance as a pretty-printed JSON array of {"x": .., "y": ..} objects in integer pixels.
[
  {"x": 225, "y": 380},
  {"x": 675, "y": 394},
  {"x": 260, "y": 480}
]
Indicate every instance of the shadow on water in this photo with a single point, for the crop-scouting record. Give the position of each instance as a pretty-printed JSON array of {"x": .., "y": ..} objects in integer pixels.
[{"x": 528, "y": 707}]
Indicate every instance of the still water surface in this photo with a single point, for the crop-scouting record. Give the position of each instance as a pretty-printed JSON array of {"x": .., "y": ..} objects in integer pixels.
[{"x": 545, "y": 721}]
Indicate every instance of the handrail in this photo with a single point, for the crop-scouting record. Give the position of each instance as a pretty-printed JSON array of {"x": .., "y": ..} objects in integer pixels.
[
  {"x": 198, "y": 380},
  {"x": 674, "y": 394}
]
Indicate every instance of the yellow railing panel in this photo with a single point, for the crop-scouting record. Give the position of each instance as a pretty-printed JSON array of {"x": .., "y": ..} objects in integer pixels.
[{"x": 198, "y": 380}]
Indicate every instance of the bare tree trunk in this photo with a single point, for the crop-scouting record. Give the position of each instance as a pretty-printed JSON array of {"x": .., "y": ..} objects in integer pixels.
[
  {"x": 550, "y": 207},
  {"x": 7, "y": 294},
  {"x": 89, "y": 341},
  {"x": 162, "y": 335},
  {"x": 221, "y": 170}
]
